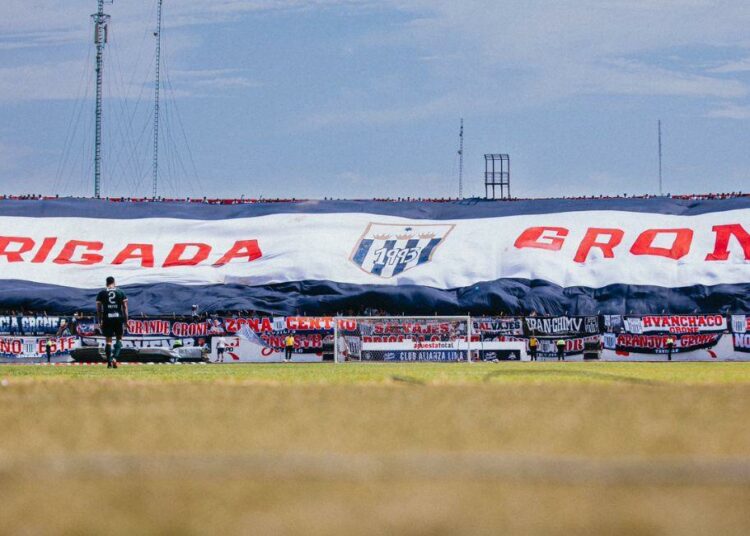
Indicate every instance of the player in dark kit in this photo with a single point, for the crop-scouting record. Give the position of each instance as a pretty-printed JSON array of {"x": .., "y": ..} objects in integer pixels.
[{"x": 112, "y": 313}]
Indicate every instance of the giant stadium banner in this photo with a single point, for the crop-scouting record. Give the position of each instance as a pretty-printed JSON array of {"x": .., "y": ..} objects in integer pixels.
[{"x": 551, "y": 257}]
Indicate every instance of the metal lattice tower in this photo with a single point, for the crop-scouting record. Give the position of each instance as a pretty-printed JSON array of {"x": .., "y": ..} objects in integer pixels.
[
  {"x": 101, "y": 30},
  {"x": 461, "y": 161},
  {"x": 497, "y": 173},
  {"x": 157, "y": 88},
  {"x": 661, "y": 178}
]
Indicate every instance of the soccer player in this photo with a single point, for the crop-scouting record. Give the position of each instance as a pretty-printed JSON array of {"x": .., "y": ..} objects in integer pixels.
[{"x": 112, "y": 313}]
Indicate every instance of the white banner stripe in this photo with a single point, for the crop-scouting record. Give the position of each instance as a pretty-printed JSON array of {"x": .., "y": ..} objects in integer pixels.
[{"x": 308, "y": 247}]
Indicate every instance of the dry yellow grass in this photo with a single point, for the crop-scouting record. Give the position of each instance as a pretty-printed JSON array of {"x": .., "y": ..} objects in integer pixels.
[{"x": 257, "y": 450}]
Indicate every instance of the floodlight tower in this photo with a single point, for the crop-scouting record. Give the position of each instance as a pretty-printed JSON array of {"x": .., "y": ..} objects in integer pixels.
[
  {"x": 101, "y": 37},
  {"x": 661, "y": 178},
  {"x": 497, "y": 173},
  {"x": 157, "y": 88},
  {"x": 461, "y": 161}
]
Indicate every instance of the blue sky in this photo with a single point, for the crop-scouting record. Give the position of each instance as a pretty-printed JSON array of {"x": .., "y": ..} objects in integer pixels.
[{"x": 347, "y": 98}]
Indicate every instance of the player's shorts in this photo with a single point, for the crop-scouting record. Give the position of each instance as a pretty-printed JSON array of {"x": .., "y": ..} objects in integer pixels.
[{"x": 112, "y": 328}]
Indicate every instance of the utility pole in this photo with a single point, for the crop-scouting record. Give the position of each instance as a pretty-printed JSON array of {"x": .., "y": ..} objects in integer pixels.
[
  {"x": 101, "y": 31},
  {"x": 157, "y": 88},
  {"x": 661, "y": 181},
  {"x": 461, "y": 161}
]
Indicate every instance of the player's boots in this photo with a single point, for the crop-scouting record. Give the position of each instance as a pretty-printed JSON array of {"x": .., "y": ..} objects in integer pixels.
[{"x": 116, "y": 354}]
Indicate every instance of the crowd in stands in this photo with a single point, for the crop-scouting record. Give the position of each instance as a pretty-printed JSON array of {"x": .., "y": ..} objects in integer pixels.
[{"x": 246, "y": 201}]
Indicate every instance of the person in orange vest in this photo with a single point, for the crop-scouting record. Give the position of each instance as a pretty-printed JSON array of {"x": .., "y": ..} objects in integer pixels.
[
  {"x": 288, "y": 347},
  {"x": 670, "y": 346},
  {"x": 533, "y": 347}
]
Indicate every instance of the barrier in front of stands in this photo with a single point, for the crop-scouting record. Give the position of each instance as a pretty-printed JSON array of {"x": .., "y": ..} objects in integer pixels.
[{"x": 622, "y": 338}]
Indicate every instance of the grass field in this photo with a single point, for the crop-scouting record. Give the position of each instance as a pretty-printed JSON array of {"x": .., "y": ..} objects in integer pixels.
[{"x": 530, "y": 448}]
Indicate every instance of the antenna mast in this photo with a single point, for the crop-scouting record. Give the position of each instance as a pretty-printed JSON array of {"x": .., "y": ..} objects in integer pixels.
[
  {"x": 461, "y": 161},
  {"x": 157, "y": 88},
  {"x": 661, "y": 183},
  {"x": 101, "y": 31}
]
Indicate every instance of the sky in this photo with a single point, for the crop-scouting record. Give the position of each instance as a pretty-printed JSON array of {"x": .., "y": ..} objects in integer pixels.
[{"x": 363, "y": 98}]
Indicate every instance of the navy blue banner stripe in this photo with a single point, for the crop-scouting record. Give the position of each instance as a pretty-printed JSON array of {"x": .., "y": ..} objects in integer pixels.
[
  {"x": 427, "y": 251},
  {"x": 364, "y": 247},
  {"x": 453, "y": 210},
  {"x": 510, "y": 296}
]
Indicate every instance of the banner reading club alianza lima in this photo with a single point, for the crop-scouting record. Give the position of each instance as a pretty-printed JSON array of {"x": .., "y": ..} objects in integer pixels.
[{"x": 576, "y": 257}]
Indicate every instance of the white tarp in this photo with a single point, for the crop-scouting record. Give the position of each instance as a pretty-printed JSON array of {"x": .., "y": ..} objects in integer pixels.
[{"x": 645, "y": 249}]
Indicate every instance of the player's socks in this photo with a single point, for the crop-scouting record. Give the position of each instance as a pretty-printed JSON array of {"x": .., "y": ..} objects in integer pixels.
[
  {"x": 116, "y": 353},
  {"x": 108, "y": 352}
]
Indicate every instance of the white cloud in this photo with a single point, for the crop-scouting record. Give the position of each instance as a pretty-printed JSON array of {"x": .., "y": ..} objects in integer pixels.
[
  {"x": 61, "y": 19},
  {"x": 739, "y": 66},
  {"x": 635, "y": 78},
  {"x": 507, "y": 56},
  {"x": 64, "y": 29},
  {"x": 348, "y": 116},
  {"x": 730, "y": 111},
  {"x": 528, "y": 52}
]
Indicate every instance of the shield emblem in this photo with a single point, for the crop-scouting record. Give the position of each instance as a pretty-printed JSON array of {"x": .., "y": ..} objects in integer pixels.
[{"x": 387, "y": 250}]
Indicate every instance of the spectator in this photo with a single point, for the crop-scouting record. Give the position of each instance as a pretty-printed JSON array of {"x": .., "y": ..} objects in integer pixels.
[
  {"x": 221, "y": 345},
  {"x": 560, "y": 349}
]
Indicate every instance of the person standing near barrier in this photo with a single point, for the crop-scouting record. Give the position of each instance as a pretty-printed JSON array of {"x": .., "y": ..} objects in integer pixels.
[
  {"x": 560, "y": 349},
  {"x": 533, "y": 347},
  {"x": 670, "y": 347},
  {"x": 221, "y": 345},
  {"x": 288, "y": 347},
  {"x": 112, "y": 314},
  {"x": 48, "y": 350}
]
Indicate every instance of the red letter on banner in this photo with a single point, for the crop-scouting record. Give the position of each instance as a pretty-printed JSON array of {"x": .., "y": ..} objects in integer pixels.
[
  {"x": 44, "y": 250},
  {"x": 87, "y": 259},
  {"x": 530, "y": 238},
  {"x": 145, "y": 252},
  {"x": 242, "y": 249},
  {"x": 683, "y": 239},
  {"x": 723, "y": 234},
  {"x": 590, "y": 242},
  {"x": 25, "y": 245},
  {"x": 175, "y": 256}
]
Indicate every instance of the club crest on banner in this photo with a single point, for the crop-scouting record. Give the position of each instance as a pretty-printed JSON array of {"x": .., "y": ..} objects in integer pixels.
[{"x": 387, "y": 250}]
